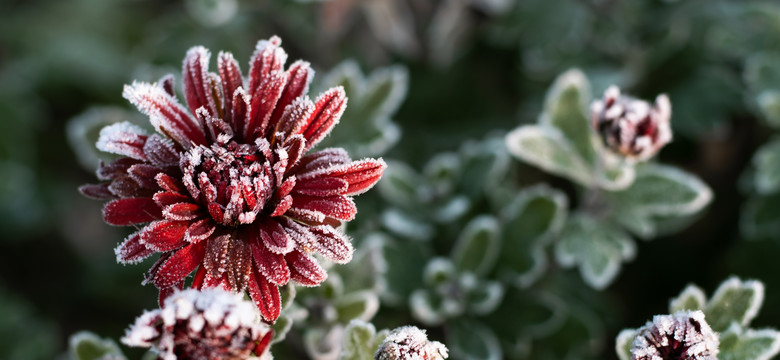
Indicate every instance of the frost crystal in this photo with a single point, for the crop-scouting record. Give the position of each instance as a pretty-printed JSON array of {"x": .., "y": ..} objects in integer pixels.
[
  {"x": 684, "y": 335},
  {"x": 410, "y": 343},
  {"x": 225, "y": 188},
  {"x": 208, "y": 324},
  {"x": 631, "y": 127}
]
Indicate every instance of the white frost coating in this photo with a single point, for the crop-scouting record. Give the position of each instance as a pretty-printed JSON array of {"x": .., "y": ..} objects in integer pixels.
[
  {"x": 572, "y": 78},
  {"x": 690, "y": 291},
  {"x": 734, "y": 283},
  {"x": 214, "y": 313},
  {"x": 117, "y": 139},
  {"x": 746, "y": 335},
  {"x": 152, "y": 100},
  {"x": 410, "y": 343},
  {"x": 703, "y": 192},
  {"x": 696, "y": 339},
  {"x": 547, "y": 148}
]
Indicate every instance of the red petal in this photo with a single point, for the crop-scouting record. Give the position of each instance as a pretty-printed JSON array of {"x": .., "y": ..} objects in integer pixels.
[
  {"x": 144, "y": 175},
  {"x": 304, "y": 269},
  {"x": 337, "y": 207},
  {"x": 321, "y": 159},
  {"x": 327, "y": 112},
  {"x": 240, "y": 114},
  {"x": 182, "y": 211},
  {"x": 166, "y": 114},
  {"x": 132, "y": 250},
  {"x": 282, "y": 206},
  {"x": 115, "y": 169},
  {"x": 230, "y": 74},
  {"x": 167, "y": 198},
  {"x": 216, "y": 258},
  {"x": 294, "y": 117},
  {"x": 197, "y": 87},
  {"x": 160, "y": 152},
  {"x": 325, "y": 186},
  {"x": 179, "y": 265},
  {"x": 268, "y": 57},
  {"x": 123, "y": 139},
  {"x": 266, "y": 296},
  {"x": 294, "y": 145},
  {"x": 239, "y": 268},
  {"x": 360, "y": 175},
  {"x": 164, "y": 235},
  {"x": 286, "y": 187},
  {"x": 197, "y": 280},
  {"x": 168, "y": 183},
  {"x": 264, "y": 343},
  {"x": 200, "y": 230},
  {"x": 299, "y": 76},
  {"x": 131, "y": 211},
  {"x": 274, "y": 237},
  {"x": 332, "y": 244},
  {"x": 263, "y": 104},
  {"x": 166, "y": 293},
  {"x": 272, "y": 266},
  {"x": 97, "y": 191},
  {"x": 126, "y": 187}
]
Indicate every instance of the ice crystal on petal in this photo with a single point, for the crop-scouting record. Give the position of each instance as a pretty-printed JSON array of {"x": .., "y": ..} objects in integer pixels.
[
  {"x": 685, "y": 335},
  {"x": 410, "y": 343},
  {"x": 632, "y": 127},
  {"x": 207, "y": 324},
  {"x": 225, "y": 188}
]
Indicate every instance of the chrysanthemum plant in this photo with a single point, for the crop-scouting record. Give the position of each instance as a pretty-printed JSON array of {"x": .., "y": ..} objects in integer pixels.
[
  {"x": 603, "y": 146},
  {"x": 721, "y": 327}
]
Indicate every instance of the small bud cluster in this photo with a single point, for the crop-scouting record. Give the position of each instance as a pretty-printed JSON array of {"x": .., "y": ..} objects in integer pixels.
[
  {"x": 410, "y": 343},
  {"x": 207, "y": 324},
  {"x": 632, "y": 127},
  {"x": 683, "y": 335}
]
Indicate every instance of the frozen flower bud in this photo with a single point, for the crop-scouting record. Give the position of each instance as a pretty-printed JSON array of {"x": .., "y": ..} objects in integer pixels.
[
  {"x": 683, "y": 335},
  {"x": 207, "y": 324},
  {"x": 410, "y": 343},
  {"x": 632, "y": 127}
]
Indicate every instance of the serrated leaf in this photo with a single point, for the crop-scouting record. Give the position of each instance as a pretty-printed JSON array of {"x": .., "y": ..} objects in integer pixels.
[
  {"x": 745, "y": 344},
  {"x": 623, "y": 343},
  {"x": 734, "y": 301},
  {"x": 86, "y": 345},
  {"x": 597, "y": 249},
  {"x": 477, "y": 246},
  {"x": 691, "y": 298},
  {"x": 565, "y": 109},
  {"x": 470, "y": 340},
  {"x": 361, "y": 341},
  {"x": 548, "y": 149},
  {"x": 767, "y": 168},
  {"x": 361, "y": 305},
  {"x": 528, "y": 223}
]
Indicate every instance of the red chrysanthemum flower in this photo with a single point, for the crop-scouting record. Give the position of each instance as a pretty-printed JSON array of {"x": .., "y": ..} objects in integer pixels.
[{"x": 229, "y": 192}]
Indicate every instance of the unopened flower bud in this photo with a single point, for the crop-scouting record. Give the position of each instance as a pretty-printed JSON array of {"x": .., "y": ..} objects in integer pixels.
[
  {"x": 207, "y": 324},
  {"x": 410, "y": 343},
  {"x": 681, "y": 336},
  {"x": 632, "y": 127}
]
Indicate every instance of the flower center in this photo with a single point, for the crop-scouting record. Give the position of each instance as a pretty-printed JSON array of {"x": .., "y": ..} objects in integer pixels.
[{"x": 233, "y": 181}]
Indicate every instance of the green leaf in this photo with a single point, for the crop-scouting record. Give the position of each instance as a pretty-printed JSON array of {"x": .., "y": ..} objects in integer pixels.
[
  {"x": 548, "y": 149},
  {"x": 323, "y": 343},
  {"x": 740, "y": 344},
  {"x": 405, "y": 261},
  {"x": 597, "y": 249},
  {"x": 484, "y": 165},
  {"x": 768, "y": 103},
  {"x": 734, "y": 301},
  {"x": 767, "y": 166},
  {"x": 281, "y": 327},
  {"x": 431, "y": 309},
  {"x": 565, "y": 109},
  {"x": 759, "y": 217},
  {"x": 86, "y": 345},
  {"x": 477, "y": 246},
  {"x": 361, "y": 341},
  {"x": 361, "y": 305},
  {"x": 470, "y": 340},
  {"x": 485, "y": 297},
  {"x": 623, "y": 343},
  {"x": 691, "y": 298},
  {"x": 665, "y": 190},
  {"x": 400, "y": 184},
  {"x": 528, "y": 221}
]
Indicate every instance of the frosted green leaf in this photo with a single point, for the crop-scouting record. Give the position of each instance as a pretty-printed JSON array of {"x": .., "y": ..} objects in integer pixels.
[
  {"x": 623, "y": 343},
  {"x": 400, "y": 184},
  {"x": 759, "y": 217},
  {"x": 486, "y": 297},
  {"x": 323, "y": 343},
  {"x": 548, "y": 149},
  {"x": 83, "y": 131},
  {"x": 734, "y": 301},
  {"x": 769, "y": 105},
  {"x": 636, "y": 222},
  {"x": 470, "y": 340},
  {"x": 477, "y": 246},
  {"x": 691, "y": 298},
  {"x": 484, "y": 166},
  {"x": 361, "y": 305},
  {"x": 281, "y": 327},
  {"x": 439, "y": 271},
  {"x": 597, "y": 249},
  {"x": 614, "y": 173},
  {"x": 528, "y": 223},
  {"x": 565, "y": 109},
  {"x": 665, "y": 190},
  {"x": 406, "y": 226},
  {"x": 431, "y": 309},
  {"x": 767, "y": 168},
  {"x": 366, "y": 128},
  {"x": 361, "y": 341},
  {"x": 442, "y": 171},
  {"x": 86, "y": 345},
  {"x": 745, "y": 344},
  {"x": 405, "y": 262},
  {"x": 452, "y": 209}
]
